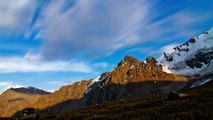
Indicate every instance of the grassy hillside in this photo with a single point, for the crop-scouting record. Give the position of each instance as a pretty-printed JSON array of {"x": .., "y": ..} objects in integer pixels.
[{"x": 198, "y": 106}]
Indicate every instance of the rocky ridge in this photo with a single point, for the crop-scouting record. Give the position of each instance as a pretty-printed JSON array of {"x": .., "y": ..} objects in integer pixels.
[{"x": 131, "y": 76}]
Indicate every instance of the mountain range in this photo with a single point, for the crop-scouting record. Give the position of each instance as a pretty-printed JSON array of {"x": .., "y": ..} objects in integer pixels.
[{"x": 181, "y": 68}]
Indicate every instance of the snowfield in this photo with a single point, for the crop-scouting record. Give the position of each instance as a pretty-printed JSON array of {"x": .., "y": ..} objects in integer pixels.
[{"x": 178, "y": 60}]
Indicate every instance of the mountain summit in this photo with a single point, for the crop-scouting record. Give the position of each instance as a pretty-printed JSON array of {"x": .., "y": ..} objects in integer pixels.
[{"x": 195, "y": 57}]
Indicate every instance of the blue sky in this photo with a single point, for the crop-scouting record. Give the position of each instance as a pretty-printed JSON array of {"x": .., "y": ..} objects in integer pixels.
[{"x": 50, "y": 43}]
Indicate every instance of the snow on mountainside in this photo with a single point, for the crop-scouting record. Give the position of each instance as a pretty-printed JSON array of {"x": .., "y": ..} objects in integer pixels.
[{"x": 191, "y": 58}]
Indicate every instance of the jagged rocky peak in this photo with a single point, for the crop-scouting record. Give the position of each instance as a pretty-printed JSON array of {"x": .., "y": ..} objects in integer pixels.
[
  {"x": 151, "y": 60},
  {"x": 127, "y": 59},
  {"x": 131, "y": 70},
  {"x": 195, "y": 57}
]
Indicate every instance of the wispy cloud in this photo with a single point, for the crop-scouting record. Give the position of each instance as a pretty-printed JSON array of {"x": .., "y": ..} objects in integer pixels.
[
  {"x": 96, "y": 27},
  {"x": 90, "y": 25},
  {"x": 101, "y": 65},
  {"x": 33, "y": 63},
  {"x": 5, "y": 84},
  {"x": 16, "y": 15},
  {"x": 87, "y": 29}
]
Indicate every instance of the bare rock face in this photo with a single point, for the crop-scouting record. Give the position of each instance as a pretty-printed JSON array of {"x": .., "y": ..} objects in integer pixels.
[
  {"x": 66, "y": 97},
  {"x": 15, "y": 99},
  {"x": 132, "y": 70},
  {"x": 132, "y": 78}
]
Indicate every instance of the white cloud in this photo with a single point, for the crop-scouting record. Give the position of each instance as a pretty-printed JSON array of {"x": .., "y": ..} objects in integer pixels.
[
  {"x": 101, "y": 65},
  {"x": 6, "y": 85},
  {"x": 90, "y": 27},
  {"x": 3, "y": 84},
  {"x": 100, "y": 27},
  {"x": 33, "y": 63},
  {"x": 15, "y": 15}
]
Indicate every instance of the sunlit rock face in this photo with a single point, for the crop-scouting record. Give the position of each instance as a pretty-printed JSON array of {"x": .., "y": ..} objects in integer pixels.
[{"x": 132, "y": 78}]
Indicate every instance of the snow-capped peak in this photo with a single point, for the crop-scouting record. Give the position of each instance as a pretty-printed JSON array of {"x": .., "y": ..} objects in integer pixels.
[{"x": 191, "y": 58}]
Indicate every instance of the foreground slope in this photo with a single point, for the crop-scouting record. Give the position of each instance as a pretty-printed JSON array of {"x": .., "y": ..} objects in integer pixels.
[{"x": 198, "y": 105}]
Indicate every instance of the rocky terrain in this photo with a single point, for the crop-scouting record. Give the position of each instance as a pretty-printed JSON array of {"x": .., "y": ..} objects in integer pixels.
[{"x": 131, "y": 79}]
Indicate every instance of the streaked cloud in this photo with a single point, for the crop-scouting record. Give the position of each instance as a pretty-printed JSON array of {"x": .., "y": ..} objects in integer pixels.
[
  {"x": 101, "y": 65},
  {"x": 33, "y": 63},
  {"x": 16, "y": 15},
  {"x": 89, "y": 27}
]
